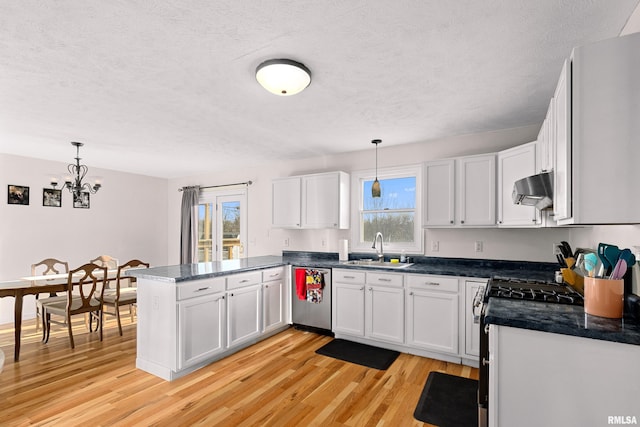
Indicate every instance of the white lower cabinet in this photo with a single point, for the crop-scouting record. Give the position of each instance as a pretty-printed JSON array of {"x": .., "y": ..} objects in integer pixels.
[
  {"x": 244, "y": 312},
  {"x": 184, "y": 326},
  {"x": 348, "y": 308},
  {"x": 201, "y": 328},
  {"x": 414, "y": 313},
  {"x": 272, "y": 305},
  {"x": 384, "y": 308},
  {"x": 432, "y": 313}
]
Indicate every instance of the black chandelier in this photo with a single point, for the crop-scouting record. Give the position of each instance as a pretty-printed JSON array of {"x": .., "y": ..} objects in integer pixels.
[{"x": 73, "y": 181}]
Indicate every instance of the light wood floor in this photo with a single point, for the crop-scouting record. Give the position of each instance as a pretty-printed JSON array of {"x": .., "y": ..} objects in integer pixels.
[{"x": 278, "y": 382}]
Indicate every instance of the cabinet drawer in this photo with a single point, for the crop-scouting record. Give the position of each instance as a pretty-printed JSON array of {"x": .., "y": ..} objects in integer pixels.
[
  {"x": 386, "y": 279},
  {"x": 348, "y": 276},
  {"x": 199, "y": 288},
  {"x": 236, "y": 281},
  {"x": 278, "y": 273},
  {"x": 436, "y": 283}
]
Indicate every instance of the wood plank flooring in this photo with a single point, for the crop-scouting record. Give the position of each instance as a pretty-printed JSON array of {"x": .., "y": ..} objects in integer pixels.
[{"x": 278, "y": 382}]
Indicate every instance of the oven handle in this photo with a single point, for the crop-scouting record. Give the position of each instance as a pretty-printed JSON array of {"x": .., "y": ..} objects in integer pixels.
[{"x": 476, "y": 308}]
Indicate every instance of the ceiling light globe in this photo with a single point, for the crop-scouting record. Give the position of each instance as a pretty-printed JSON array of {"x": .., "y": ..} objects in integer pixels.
[{"x": 283, "y": 77}]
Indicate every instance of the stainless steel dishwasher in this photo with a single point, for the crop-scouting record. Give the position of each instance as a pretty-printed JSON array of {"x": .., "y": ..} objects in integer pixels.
[{"x": 308, "y": 315}]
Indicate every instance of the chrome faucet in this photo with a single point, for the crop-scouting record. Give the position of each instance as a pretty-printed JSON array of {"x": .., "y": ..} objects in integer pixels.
[{"x": 381, "y": 253}]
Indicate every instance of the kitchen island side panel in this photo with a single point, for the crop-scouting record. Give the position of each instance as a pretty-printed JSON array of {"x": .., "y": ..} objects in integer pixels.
[{"x": 156, "y": 333}]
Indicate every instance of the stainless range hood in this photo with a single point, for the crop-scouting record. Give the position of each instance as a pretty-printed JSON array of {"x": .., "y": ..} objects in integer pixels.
[{"x": 535, "y": 190}]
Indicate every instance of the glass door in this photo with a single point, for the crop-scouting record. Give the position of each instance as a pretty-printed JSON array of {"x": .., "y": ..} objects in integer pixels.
[{"x": 222, "y": 226}]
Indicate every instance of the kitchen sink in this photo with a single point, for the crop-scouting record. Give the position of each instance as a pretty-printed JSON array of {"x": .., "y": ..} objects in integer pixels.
[{"x": 377, "y": 264}]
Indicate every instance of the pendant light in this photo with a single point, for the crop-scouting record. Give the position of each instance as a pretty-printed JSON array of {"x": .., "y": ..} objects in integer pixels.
[{"x": 375, "y": 188}]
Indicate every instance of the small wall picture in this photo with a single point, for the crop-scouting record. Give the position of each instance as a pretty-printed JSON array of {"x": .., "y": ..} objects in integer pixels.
[
  {"x": 81, "y": 200},
  {"x": 18, "y": 195},
  {"x": 51, "y": 197}
]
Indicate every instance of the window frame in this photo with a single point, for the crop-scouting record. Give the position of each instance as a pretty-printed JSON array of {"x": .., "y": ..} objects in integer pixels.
[
  {"x": 357, "y": 205},
  {"x": 213, "y": 196}
]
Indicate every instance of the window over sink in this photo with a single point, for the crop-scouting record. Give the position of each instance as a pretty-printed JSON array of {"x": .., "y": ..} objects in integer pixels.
[{"x": 396, "y": 214}]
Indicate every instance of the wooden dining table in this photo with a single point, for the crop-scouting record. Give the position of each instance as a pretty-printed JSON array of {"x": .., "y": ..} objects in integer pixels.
[{"x": 33, "y": 285}]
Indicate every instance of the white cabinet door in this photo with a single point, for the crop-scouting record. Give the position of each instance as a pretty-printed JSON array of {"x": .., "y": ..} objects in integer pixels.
[
  {"x": 325, "y": 200},
  {"x": 272, "y": 305},
  {"x": 201, "y": 326},
  {"x": 514, "y": 164},
  {"x": 561, "y": 141},
  {"x": 348, "y": 308},
  {"x": 432, "y": 320},
  {"x": 476, "y": 187},
  {"x": 244, "y": 314},
  {"x": 385, "y": 313},
  {"x": 439, "y": 184},
  {"x": 285, "y": 203},
  {"x": 472, "y": 327}
]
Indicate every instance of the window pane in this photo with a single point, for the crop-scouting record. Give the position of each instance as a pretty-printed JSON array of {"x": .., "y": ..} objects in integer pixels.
[
  {"x": 205, "y": 232},
  {"x": 231, "y": 230},
  {"x": 397, "y": 193},
  {"x": 395, "y": 227}
]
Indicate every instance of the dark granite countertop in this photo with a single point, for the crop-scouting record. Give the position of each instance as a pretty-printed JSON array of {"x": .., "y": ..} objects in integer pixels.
[
  {"x": 561, "y": 319},
  {"x": 204, "y": 270}
]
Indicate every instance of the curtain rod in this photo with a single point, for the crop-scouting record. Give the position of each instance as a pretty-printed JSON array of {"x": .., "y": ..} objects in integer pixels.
[{"x": 223, "y": 185}]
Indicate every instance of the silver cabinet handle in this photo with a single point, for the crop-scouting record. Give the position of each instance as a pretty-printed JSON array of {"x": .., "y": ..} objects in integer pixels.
[
  {"x": 485, "y": 362},
  {"x": 361, "y": 288},
  {"x": 274, "y": 275},
  {"x": 384, "y": 280},
  {"x": 349, "y": 277},
  {"x": 244, "y": 280},
  {"x": 486, "y": 329},
  {"x": 203, "y": 289},
  {"x": 432, "y": 283},
  {"x": 370, "y": 288},
  {"x": 411, "y": 293}
]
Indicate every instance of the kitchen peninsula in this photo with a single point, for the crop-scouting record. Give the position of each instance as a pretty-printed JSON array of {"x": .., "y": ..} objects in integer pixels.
[{"x": 191, "y": 315}]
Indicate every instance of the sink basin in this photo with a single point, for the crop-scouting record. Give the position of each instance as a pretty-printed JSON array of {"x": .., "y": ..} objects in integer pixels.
[{"x": 377, "y": 264}]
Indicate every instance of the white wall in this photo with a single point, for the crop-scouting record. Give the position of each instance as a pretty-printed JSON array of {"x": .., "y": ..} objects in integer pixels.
[
  {"x": 127, "y": 219},
  {"x": 535, "y": 245}
]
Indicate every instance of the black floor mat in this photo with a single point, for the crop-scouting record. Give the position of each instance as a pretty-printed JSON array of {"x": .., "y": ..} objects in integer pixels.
[
  {"x": 448, "y": 401},
  {"x": 361, "y": 354}
]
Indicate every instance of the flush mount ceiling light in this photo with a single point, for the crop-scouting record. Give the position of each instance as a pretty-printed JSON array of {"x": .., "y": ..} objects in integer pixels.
[
  {"x": 283, "y": 77},
  {"x": 375, "y": 188}
]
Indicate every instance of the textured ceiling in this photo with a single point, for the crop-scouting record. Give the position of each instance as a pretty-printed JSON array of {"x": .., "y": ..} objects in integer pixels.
[{"x": 168, "y": 88}]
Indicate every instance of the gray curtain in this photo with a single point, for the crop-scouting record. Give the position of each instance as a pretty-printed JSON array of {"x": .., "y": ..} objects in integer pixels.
[{"x": 189, "y": 225}]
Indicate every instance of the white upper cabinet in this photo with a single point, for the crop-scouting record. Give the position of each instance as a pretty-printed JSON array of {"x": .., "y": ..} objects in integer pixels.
[
  {"x": 514, "y": 164},
  {"x": 561, "y": 142},
  {"x": 461, "y": 192},
  {"x": 439, "y": 184},
  {"x": 476, "y": 186},
  {"x": 311, "y": 201},
  {"x": 545, "y": 148},
  {"x": 597, "y": 130},
  {"x": 285, "y": 206}
]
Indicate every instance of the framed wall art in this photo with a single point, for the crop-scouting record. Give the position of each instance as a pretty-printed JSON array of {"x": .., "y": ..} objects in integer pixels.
[
  {"x": 18, "y": 195},
  {"x": 81, "y": 200},
  {"x": 51, "y": 197}
]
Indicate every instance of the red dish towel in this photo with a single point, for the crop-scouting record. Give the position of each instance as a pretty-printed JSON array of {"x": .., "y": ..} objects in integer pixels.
[{"x": 301, "y": 283}]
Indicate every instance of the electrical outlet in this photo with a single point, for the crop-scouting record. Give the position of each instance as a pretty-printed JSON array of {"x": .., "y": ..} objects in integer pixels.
[
  {"x": 285, "y": 242},
  {"x": 435, "y": 246},
  {"x": 478, "y": 246},
  {"x": 324, "y": 242}
]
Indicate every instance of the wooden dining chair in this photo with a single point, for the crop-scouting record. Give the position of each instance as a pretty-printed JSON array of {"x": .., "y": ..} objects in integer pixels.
[
  {"x": 45, "y": 267},
  {"x": 106, "y": 261},
  {"x": 86, "y": 285},
  {"x": 125, "y": 292}
]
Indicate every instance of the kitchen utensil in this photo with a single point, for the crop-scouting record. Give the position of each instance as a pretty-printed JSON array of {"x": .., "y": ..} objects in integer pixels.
[
  {"x": 592, "y": 264},
  {"x": 612, "y": 253},
  {"x": 560, "y": 259},
  {"x": 619, "y": 270},
  {"x": 563, "y": 250},
  {"x": 567, "y": 248},
  {"x": 606, "y": 265},
  {"x": 628, "y": 256}
]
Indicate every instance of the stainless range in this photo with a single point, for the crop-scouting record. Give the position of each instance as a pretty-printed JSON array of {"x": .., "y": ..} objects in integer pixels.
[{"x": 504, "y": 287}]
